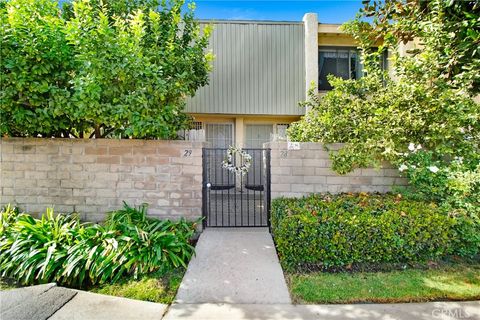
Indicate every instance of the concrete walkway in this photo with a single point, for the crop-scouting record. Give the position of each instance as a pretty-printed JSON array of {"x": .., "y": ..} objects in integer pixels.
[
  {"x": 56, "y": 303},
  {"x": 234, "y": 265},
  {"x": 406, "y": 311}
]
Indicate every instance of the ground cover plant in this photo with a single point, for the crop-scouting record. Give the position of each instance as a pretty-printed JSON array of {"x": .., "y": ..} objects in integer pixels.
[
  {"x": 59, "y": 248},
  {"x": 384, "y": 248}
]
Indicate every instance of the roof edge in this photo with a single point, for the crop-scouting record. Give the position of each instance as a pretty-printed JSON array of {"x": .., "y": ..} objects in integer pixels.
[{"x": 248, "y": 21}]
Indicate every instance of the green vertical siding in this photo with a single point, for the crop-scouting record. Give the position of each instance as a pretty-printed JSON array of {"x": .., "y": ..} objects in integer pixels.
[{"x": 258, "y": 69}]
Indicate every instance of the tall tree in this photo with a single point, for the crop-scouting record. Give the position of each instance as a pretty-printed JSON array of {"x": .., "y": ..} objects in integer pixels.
[
  {"x": 447, "y": 30},
  {"x": 102, "y": 68}
]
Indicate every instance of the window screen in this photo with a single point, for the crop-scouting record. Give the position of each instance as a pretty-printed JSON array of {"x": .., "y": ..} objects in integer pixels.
[{"x": 343, "y": 63}]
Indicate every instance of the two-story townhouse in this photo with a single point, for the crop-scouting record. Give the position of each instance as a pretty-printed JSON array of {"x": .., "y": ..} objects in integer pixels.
[{"x": 261, "y": 71}]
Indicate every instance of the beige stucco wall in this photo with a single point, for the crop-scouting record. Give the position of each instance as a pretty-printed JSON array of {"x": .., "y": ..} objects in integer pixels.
[
  {"x": 297, "y": 173},
  {"x": 93, "y": 176},
  {"x": 332, "y": 35}
]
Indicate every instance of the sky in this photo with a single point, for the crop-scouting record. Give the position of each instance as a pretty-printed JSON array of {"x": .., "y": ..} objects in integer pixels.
[{"x": 329, "y": 11}]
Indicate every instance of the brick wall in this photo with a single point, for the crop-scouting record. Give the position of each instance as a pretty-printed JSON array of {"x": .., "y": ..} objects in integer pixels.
[
  {"x": 94, "y": 176},
  {"x": 297, "y": 173}
]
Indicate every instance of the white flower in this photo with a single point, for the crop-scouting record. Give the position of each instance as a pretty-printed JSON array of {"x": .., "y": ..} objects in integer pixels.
[
  {"x": 459, "y": 159},
  {"x": 419, "y": 147},
  {"x": 411, "y": 146},
  {"x": 402, "y": 168},
  {"x": 433, "y": 169}
]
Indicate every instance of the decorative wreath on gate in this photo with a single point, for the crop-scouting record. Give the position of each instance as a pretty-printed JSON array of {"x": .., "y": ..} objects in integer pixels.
[{"x": 245, "y": 159}]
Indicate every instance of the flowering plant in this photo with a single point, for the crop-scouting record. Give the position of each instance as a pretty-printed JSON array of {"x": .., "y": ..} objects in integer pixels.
[
  {"x": 455, "y": 182},
  {"x": 452, "y": 182},
  {"x": 228, "y": 162}
]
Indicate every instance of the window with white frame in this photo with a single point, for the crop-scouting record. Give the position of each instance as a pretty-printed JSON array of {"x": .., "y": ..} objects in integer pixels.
[{"x": 195, "y": 133}]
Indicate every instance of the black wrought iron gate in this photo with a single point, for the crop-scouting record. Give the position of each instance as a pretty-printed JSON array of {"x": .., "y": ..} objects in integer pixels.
[{"x": 233, "y": 200}]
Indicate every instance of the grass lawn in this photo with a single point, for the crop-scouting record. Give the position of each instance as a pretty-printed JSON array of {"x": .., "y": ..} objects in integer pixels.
[
  {"x": 156, "y": 287},
  {"x": 450, "y": 282},
  {"x": 7, "y": 285}
]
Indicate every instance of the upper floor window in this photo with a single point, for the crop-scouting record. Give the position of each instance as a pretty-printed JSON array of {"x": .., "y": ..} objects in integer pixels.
[{"x": 341, "y": 62}]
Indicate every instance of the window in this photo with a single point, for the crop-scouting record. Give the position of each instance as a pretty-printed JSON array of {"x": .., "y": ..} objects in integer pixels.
[
  {"x": 197, "y": 125},
  {"x": 196, "y": 132},
  {"x": 341, "y": 62}
]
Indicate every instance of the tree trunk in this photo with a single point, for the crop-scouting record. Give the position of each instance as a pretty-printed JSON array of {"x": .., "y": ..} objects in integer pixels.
[{"x": 97, "y": 132}]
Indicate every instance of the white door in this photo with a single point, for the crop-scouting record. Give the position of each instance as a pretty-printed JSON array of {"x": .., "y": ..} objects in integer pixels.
[{"x": 220, "y": 136}]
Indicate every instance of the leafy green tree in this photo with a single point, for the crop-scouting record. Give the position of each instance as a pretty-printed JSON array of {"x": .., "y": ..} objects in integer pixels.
[
  {"x": 36, "y": 68},
  {"x": 121, "y": 8},
  {"x": 113, "y": 68},
  {"x": 448, "y": 31}
]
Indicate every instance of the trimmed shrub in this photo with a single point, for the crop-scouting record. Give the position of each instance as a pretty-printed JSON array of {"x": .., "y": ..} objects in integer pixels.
[
  {"x": 62, "y": 249},
  {"x": 323, "y": 231}
]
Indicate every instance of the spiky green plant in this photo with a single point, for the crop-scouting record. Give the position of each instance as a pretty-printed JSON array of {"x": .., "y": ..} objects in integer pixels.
[
  {"x": 34, "y": 250},
  {"x": 60, "y": 248}
]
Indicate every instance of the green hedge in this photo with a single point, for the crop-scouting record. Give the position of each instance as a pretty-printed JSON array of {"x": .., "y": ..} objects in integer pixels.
[
  {"x": 326, "y": 230},
  {"x": 60, "y": 248}
]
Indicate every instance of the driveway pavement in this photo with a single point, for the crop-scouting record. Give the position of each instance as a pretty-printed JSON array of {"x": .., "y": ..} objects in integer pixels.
[{"x": 56, "y": 303}]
